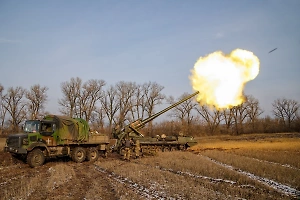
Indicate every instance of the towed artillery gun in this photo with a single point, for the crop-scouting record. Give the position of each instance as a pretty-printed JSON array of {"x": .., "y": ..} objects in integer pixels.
[
  {"x": 56, "y": 136},
  {"x": 148, "y": 144}
]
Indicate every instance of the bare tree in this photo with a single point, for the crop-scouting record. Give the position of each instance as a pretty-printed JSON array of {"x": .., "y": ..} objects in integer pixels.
[
  {"x": 71, "y": 94},
  {"x": 2, "y": 110},
  {"x": 253, "y": 110},
  {"x": 212, "y": 117},
  {"x": 15, "y": 106},
  {"x": 91, "y": 93},
  {"x": 110, "y": 105},
  {"x": 286, "y": 111},
  {"x": 125, "y": 95},
  {"x": 228, "y": 118},
  {"x": 139, "y": 103},
  {"x": 97, "y": 119},
  {"x": 239, "y": 116},
  {"x": 37, "y": 98},
  {"x": 183, "y": 111},
  {"x": 153, "y": 97}
]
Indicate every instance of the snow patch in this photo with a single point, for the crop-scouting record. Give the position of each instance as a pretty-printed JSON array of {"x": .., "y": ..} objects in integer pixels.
[{"x": 287, "y": 190}]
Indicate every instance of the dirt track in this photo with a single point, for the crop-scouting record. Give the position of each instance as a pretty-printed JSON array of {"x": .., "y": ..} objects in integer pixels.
[
  {"x": 169, "y": 175},
  {"x": 54, "y": 180}
]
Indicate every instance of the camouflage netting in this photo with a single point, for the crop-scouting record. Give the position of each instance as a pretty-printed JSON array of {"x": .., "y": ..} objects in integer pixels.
[{"x": 70, "y": 129}]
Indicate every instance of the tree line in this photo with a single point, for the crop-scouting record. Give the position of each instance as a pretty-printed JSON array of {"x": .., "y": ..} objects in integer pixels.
[{"x": 105, "y": 107}]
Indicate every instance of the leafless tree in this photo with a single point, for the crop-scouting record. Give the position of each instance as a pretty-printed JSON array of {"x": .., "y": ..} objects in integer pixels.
[
  {"x": 71, "y": 94},
  {"x": 286, "y": 111},
  {"x": 110, "y": 105},
  {"x": 239, "y": 116},
  {"x": 14, "y": 104},
  {"x": 37, "y": 98},
  {"x": 125, "y": 94},
  {"x": 253, "y": 110},
  {"x": 153, "y": 97},
  {"x": 91, "y": 93},
  {"x": 212, "y": 117},
  {"x": 2, "y": 109},
  {"x": 183, "y": 111},
  {"x": 97, "y": 119},
  {"x": 228, "y": 118},
  {"x": 139, "y": 103}
]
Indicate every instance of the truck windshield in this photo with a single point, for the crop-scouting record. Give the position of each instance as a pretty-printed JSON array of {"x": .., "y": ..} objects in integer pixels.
[
  {"x": 47, "y": 127},
  {"x": 32, "y": 126}
]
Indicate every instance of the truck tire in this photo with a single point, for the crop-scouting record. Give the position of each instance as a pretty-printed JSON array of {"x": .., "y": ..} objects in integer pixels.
[
  {"x": 78, "y": 154},
  {"x": 92, "y": 154},
  {"x": 35, "y": 158}
]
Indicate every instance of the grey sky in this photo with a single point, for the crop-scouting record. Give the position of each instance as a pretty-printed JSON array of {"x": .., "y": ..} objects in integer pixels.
[{"x": 48, "y": 42}]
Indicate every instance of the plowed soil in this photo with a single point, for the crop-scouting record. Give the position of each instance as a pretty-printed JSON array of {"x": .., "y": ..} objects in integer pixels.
[{"x": 210, "y": 171}]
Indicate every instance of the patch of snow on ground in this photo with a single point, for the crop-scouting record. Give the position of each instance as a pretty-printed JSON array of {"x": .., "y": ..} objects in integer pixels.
[
  {"x": 149, "y": 193},
  {"x": 287, "y": 190}
]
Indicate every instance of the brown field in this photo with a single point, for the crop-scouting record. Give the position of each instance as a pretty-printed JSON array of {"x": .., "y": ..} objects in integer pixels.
[{"x": 219, "y": 167}]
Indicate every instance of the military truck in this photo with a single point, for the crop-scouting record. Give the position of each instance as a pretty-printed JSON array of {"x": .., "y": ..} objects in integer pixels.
[
  {"x": 158, "y": 143},
  {"x": 56, "y": 136}
]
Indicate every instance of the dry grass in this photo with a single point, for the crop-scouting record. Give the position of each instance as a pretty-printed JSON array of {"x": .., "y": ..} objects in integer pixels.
[
  {"x": 23, "y": 188},
  {"x": 2, "y": 143},
  {"x": 275, "y": 157},
  {"x": 278, "y": 173},
  {"x": 279, "y": 144},
  {"x": 168, "y": 175},
  {"x": 162, "y": 184},
  {"x": 59, "y": 175},
  {"x": 185, "y": 175},
  {"x": 290, "y": 159}
]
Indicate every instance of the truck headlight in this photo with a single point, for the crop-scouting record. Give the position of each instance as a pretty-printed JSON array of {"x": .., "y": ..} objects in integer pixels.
[{"x": 25, "y": 141}]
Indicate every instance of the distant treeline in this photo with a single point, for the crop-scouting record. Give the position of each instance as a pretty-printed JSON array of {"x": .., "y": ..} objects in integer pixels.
[{"x": 105, "y": 106}]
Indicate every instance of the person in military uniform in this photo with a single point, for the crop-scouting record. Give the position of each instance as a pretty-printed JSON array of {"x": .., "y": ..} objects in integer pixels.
[
  {"x": 137, "y": 148},
  {"x": 128, "y": 144}
]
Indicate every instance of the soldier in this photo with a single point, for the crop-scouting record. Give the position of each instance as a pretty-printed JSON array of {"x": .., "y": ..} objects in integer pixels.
[
  {"x": 128, "y": 144},
  {"x": 137, "y": 148}
]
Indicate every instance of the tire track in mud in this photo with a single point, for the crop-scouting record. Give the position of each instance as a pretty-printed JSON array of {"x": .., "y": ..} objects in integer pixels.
[
  {"x": 215, "y": 181},
  {"x": 145, "y": 192},
  {"x": 85, "y": 184},
  {"x": 205, "y": 178},
  {"x": 284, "y": 189}
]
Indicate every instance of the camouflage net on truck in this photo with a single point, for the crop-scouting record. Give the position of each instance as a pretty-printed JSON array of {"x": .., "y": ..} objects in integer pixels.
[{"x": 74, "y": 129}]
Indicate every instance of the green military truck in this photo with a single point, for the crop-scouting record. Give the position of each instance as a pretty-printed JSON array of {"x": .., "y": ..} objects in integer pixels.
[{"x": 56, "y": 136}]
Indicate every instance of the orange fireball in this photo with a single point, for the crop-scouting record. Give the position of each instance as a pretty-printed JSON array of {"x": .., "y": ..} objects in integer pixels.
[{"x": 221, "y": 78}]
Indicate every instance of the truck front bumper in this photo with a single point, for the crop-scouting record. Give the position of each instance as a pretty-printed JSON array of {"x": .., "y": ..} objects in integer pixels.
[{"x": 15, "y": 150}]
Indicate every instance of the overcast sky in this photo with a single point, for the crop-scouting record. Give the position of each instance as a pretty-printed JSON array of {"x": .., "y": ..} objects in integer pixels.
[{"x": 49, "y": 42}]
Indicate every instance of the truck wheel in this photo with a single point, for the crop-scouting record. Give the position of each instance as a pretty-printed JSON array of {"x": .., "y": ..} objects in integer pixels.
[
  {"x": 35, "y": 158},
  {"x": 78, "y": 154},
  {"x": 92, "y": 154}
]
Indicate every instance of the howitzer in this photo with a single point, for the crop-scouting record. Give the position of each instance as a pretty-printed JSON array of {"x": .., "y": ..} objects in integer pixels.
[{"x": 133, "y": 128}]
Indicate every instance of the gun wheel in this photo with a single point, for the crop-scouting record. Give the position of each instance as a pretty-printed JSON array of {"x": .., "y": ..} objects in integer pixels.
[
  {"x": 92, "y": 154},
  {"x": 35, "y": 158},
  {"x": 166, "y": 149},
  {"x": 173, "y": 149},
  {"x": 78, "y": 154}
]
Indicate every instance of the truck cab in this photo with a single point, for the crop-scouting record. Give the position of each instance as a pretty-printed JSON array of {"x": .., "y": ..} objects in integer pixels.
[{"x": 35, "y": 132}]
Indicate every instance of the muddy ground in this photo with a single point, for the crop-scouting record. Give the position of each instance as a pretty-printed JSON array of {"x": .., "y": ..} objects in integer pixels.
[
  {"x": 169, "y": 175},
  {"x": 14, "y": 173}
]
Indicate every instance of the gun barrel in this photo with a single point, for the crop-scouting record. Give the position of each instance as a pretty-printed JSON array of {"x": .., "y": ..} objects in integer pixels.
[{"x": 152, "y": 117}]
